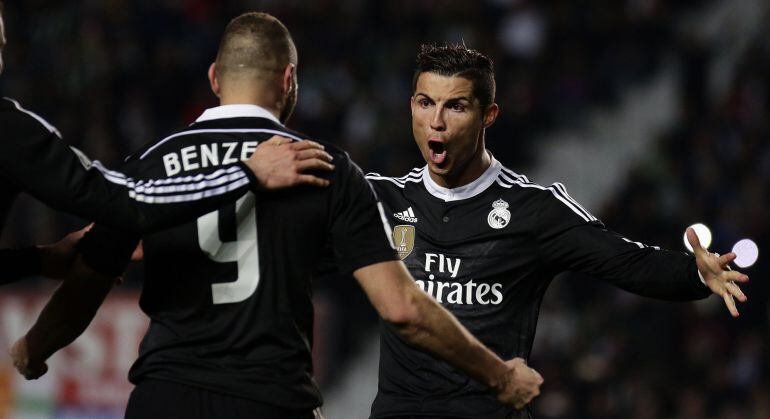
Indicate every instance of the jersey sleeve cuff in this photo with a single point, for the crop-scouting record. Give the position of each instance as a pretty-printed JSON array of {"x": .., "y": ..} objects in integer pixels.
[
  {"x": 352, "y": 264},
  {"x": 20, "y": 263},
  {"x": 253, "y": 181},
  {"x": 700, "y": 276},
  {"x": 700, "y": 288}
]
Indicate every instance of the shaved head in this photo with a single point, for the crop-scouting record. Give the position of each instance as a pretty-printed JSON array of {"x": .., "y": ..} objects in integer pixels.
[
  {"x": 257, "y": 55},
  {"x": 255, "y": 45}
]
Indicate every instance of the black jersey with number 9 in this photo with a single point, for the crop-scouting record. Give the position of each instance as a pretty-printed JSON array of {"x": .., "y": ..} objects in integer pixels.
[{"x": 229, "y": 295}]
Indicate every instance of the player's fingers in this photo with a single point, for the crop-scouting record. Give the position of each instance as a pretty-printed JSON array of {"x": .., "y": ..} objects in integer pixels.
[
  {"x": 730, "y": 303},
  {"x": 312, "y": 180},
  {"x": 314, "y": 164},
  {"x": 306, "y": 145},
  {"x": 734, "y": 276},
  {"x": 538, "y": 377},
  {"x": 694, "y": 241},
  {"x": 33, "y": 373},
  {"x": 38, "y": 372},
  {"x": 725, "y": 259},
  {"x": 314, "y": 153},
  {"x": 138, "y": 254},
  {"x": 736, "y": 291}
]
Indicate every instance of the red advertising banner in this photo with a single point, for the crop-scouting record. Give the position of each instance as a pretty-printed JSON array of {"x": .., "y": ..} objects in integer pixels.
[{"x": 88, "y": 379}]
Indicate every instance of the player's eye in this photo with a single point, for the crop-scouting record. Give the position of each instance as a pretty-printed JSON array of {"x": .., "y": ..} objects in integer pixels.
[
  {"x": 423, "y": 102},
  {"x": 457, "y": 107}
]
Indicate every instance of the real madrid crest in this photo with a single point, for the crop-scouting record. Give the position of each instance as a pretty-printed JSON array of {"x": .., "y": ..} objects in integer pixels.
[
  {"x": 499, "y": 217},
  {"x": 403, "y": 238}
]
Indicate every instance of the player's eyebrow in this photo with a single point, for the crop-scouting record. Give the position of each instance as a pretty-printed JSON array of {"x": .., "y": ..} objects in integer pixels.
[
  {"x": 457, "y": 99},
  {"x": 451, "y": 99}
]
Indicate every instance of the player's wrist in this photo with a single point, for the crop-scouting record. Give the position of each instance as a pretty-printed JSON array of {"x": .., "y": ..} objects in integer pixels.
[
  {"x": 499, "y": 377},
  {"x": 250, "y": 168}
]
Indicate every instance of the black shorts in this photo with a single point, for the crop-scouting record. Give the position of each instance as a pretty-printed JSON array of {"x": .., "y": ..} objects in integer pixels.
[{"x": 169, "y": 400}]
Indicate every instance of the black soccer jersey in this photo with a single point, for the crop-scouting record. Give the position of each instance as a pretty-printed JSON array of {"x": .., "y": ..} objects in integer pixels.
[
  {"x": 229, "y": 295},
  {"x": 487, "y": 251},
  {"x": 34, "y": 159}
]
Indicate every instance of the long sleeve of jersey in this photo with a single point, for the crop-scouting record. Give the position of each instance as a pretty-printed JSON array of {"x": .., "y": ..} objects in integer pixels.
[
  {"x": 16, "y": 264},
  {"x": 571, "y": 239},
  {"x": 34, "y": 159}
]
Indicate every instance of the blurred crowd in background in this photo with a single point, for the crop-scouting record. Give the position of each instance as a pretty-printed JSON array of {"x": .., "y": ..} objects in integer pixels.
[{"x": 113, "y": 75}]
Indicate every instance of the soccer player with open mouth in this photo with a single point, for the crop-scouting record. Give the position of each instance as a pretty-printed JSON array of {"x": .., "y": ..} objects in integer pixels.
[{"x": 485, "y": 242}]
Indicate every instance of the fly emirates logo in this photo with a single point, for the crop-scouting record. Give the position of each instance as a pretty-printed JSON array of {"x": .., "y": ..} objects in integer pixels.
[{"x": 471, "y": 292}]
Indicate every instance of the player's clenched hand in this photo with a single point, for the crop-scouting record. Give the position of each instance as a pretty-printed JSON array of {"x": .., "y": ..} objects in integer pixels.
[
  {"x": 282, "y": 163},
  {"x": 31, "y": 370},
  {"x": 56, "y": 259},
  {"x": 521, "y": 384},
  {"x": 716, "y": 273}
]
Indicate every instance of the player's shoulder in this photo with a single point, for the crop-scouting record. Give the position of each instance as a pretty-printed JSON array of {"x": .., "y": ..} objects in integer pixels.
[
  {"x": 520, "y": 184},
  {"x": 380, "y": 181},
  {"x": 214, "y": 130},
  {"x": 540, "y": 198},
  {"x": 14, "y": 115}
]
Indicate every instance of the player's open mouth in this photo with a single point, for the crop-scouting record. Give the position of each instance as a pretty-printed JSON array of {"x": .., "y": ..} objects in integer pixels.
[{"x": 437, "y": 151}]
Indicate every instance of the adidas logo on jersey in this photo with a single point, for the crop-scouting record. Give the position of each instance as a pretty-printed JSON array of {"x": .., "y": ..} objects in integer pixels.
[{"x": 407, "y": 216}]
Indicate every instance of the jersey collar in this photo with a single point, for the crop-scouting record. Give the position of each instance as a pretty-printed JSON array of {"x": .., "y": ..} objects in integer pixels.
[
  {"x": 237, "y": 111},
  {"x": 466, "y": 191}
]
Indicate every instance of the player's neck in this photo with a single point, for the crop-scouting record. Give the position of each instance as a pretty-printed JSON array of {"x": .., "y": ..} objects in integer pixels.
[
  {"x": 261, "y": 97},
  {"x": 237, "y": 101},
  {"x": 475, "y": 167}
]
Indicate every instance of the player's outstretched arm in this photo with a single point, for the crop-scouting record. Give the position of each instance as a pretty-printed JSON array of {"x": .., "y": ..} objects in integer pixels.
[
  {"x": 424, "y": 323},
  {"x": 65, "y": 316},
  {"x": 570, "y": 239},
  {"x": 644, "y": 270},
  {"x": 716, "y": 273}
]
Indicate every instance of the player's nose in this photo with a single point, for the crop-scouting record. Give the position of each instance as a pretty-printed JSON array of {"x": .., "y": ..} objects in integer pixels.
[{"x": 437, "y": 122}]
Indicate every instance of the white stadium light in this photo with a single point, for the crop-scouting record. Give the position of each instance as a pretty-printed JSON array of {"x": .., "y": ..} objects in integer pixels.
[
  {"x": 747, "y": 253},
  {"x": 703, "y": 233}
]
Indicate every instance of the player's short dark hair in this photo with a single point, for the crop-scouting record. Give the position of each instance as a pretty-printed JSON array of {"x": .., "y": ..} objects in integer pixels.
[
  {"x": 458, "y": 60},
  {"x": 257, "y": 43}
]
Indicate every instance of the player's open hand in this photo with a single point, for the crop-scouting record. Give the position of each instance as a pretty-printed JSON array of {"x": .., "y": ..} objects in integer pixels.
[
  {"x": 522, "y": 384},
  {"x": 280, "y": 163},
  {"x": 717, "y": 274},
  {"x": 19, "y": 353},
  {"x": 56, "y": 259}
]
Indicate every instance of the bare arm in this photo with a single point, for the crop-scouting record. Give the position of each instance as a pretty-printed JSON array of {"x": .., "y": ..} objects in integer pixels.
[
  {"x": 423, "y": 323},
  {"x": 65, "y": 317}
]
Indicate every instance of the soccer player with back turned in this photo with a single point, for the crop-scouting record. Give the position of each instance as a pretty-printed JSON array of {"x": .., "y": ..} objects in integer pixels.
[
  {"x": 486, "y": 242},
  {"x": 34, "y": 159},
  {"x": 229, "y": 296}
]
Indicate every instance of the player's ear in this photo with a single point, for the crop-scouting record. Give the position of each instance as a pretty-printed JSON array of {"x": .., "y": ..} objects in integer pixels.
[
  {"x": 288, "y": 78},
  {"x": 490, "y": 115},
  {"x": 213, "y": 82}
]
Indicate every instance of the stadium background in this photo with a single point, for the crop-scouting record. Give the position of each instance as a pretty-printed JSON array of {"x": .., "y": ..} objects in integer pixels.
[{"x": 653, "y": 113}]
